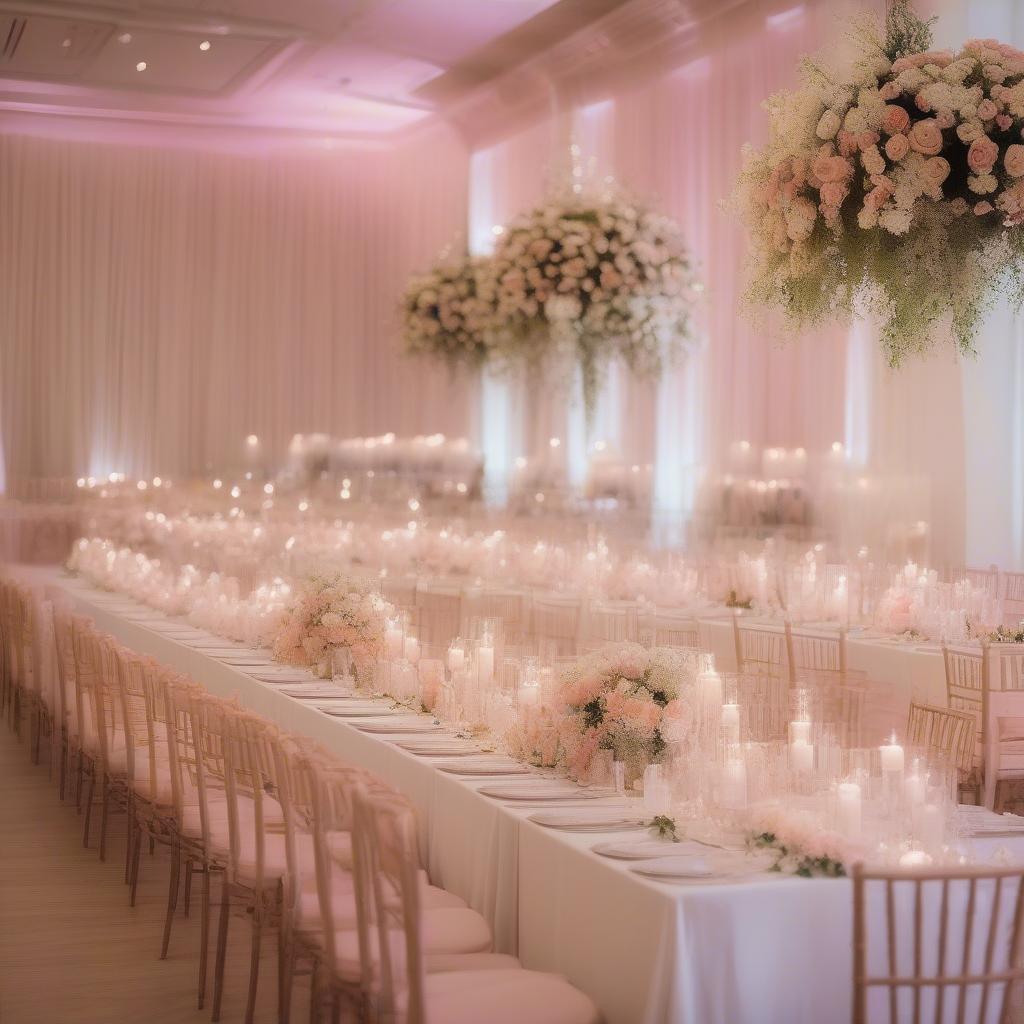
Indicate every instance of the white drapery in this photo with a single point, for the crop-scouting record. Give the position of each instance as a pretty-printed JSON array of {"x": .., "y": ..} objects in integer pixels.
[{"x": 159, "y": 305}]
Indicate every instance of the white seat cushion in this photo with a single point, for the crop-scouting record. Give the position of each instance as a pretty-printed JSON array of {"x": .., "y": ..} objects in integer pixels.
[{"x": 505, "y": 997}]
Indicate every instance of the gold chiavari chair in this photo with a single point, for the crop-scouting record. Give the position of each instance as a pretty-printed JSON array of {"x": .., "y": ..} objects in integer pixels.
[
  {"x": 556, "y": 624},
  {"x": 967, "y": 688},
  {"x": 761, "y": 649},
  {"x": 611, "y": 622},
  {"x": 1013, "y": 597},
  {"x": 965, "y": 965},
  {"x": 945, "y": 732},
  {"x": 391, "y": 933}
]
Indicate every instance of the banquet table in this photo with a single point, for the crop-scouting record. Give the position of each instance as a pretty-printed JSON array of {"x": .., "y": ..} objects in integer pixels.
[{"x": 764, "y": 949}]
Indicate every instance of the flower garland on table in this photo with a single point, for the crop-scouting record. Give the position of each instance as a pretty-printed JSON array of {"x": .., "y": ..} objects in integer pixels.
[
  {"x": 897, "y": 191},
  {"x": 329, "y": 612},
  {"x": 801, "y": 846},
  {"x": 592, "y": 278},
  {"x": 627, "y": 699},
  {"x": 446, "y": 311}
]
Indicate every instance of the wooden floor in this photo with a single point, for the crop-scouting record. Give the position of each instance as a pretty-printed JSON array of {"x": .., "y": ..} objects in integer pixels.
[{"x": 71, "y": 949}]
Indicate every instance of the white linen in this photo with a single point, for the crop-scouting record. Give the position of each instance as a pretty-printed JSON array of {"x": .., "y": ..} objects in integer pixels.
[{"x": 769, "y": 950}]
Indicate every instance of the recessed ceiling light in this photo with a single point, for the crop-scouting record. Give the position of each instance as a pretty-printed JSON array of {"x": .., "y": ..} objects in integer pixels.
[
  {"x": 124, "y": 37},
  {"x": 66, "y": 43},
  {"x": 204, "y": 45},
  {"x": 141, "y": 66}
]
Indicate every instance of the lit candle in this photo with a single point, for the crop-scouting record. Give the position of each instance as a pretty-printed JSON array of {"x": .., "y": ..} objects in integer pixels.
[
  {"x": 892, "y": 756},
  {"x": 914, "y": 787},
  {"x": 849, "y": 808},
  {"x": 485, "y": 661},
  {"x": 412, "y": 649},
  {"x": 731, "y": 722},
  {"x": 800, "y": 732},
  {"x": 711, "y": 687},
  {"x": 393, "y": 639},
  {"x": 801, "y": 757},
  {"x": 456, "y": 658},
  {"x": 734, "y": 785},
  {"x": 915, "y": 859}
]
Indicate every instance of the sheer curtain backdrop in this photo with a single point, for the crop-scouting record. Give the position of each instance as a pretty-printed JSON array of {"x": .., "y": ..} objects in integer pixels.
[{"x": 161, "y": 304}]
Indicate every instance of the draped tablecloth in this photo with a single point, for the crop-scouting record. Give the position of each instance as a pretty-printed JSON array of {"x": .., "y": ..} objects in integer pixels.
[{"x": 771, "y": 949}]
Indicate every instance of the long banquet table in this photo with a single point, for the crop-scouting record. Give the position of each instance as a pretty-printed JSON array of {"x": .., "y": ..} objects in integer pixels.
[{"x": 769, "y": 949}]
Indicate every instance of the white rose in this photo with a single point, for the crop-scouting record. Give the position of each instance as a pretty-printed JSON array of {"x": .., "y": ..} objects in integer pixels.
[
  {"x": 828, "y": 124},
  {"x": 896, "y": 222}
]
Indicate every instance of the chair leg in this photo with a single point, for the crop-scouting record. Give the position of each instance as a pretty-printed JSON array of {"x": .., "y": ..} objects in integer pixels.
[
  {"x": 152, "y": 846},
  {"x": 188, "y": 886},
  {"x": 135, "y": 867},
  {"x": 204, "y": 935},
  {"x": 78, "y": 783},
  {"x": 62, "y": 781},
  {"x": 222, "y": 948},
  {"x": 172, "y": 898},
  {"x": 104, "y": 808},
  {"x": 254, "y": 961},
  {"x": 88, "y": 808},
  {"x": 129, "y": 849}
]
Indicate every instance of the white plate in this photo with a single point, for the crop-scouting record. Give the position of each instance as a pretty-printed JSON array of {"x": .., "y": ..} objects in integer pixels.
[
  {"x": 612, "y": 819},
  {"x": 340, "y": 709},
  {"x": 541, "y": 791},
  {"x": 644, "y": 849},
  {"x": 484, "y": 766},
  {"x": 422, "y": 748},
  {"x": 721, "y": 866},
  {"x": 398, "y": 725}
]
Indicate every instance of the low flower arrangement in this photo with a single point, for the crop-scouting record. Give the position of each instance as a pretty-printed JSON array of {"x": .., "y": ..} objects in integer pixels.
[
  {"x": 801, "y": 847},
  {"x": 896, "y": 190},
  {"x": 446, "y": 312},
  {"x": 330, "y": 612},
  {"x": 591, "y": 278},
  {"x": 630, "y": 700}
]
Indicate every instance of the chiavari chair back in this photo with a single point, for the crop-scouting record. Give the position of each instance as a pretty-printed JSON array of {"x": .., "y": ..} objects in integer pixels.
[
  {"x": 945, "y": 732},
  {"x": 761, "y": 649},
  {"x": 1013, "y": 597},
  {"x": 557, "y": 623},
  {"x": 611, "y": 622},
  {"x": 967, "y": 689},
  {"x": 440, "y": 613},
  {"x": 949, "y": 948}
]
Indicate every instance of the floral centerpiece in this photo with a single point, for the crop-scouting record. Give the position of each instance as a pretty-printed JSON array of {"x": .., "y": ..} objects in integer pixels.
[
  {"x": 445, "y": 313},
  {"x": 800, "y": 845},
  {"x": 630, "y": 700},
  {"x": 589, "y": 278},
  {"x": 329, "y": 613},
  {"x": 896, "y": 190}
]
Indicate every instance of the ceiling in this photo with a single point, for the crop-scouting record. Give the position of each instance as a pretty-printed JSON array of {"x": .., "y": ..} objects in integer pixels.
[{"x": 313, "y": 68}]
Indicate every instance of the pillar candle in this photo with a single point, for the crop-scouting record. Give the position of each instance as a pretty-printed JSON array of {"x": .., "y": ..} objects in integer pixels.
[
  {"x": 393, "y": 639},
  {"x": 801, "y": 757},
  {"x": 734, "y": 785},
  {"x": 412, "y": 649},
  {"x": 731, "y": 722},
  {"x": 892, "y": 756},
  {"x": 485, "y": 661},
  {"x": 456, "y": 659},
  {"x": 849, "y": 808}
]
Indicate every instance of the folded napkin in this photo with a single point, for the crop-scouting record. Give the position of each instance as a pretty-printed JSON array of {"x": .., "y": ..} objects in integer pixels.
[{"x": 604, "y": 819}]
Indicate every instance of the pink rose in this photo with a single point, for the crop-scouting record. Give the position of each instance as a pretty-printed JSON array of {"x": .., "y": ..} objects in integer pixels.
[
  {"x": 922, "y": 103},
  {"x": 889, "y": 91},
  {"x": 945, "y": 119},
  {"x": 876, "y": 198},
  {"x": 980, "y": 209},
  {"x": 937, "y": 169},
  {"x": 895, "y": 119},
  {"x": 987, "y": 110},
  {"x": 847, "y": 143},
  {"x": 897, "y": 147},
  {"x": 1004, "y": 121},
  {"x": 834, "y": 192},
  {"x": 867, "y": 139},
  {"x": 982, "y": 155},
  {"x": 827, "y": 167},
  {"x": 1013, "y": 160},
  {"x": 925, "y": 137}
]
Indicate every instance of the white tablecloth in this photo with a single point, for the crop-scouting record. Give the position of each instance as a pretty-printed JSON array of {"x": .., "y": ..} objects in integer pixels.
[{"x": 774, "y": 950}]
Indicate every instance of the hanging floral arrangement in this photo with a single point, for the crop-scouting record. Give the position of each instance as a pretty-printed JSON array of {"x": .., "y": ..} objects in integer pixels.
[
  {"x": 446, "y": 315},
  {"x": 896, "y": 191},
  {"x": 587, "y": 279}
]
